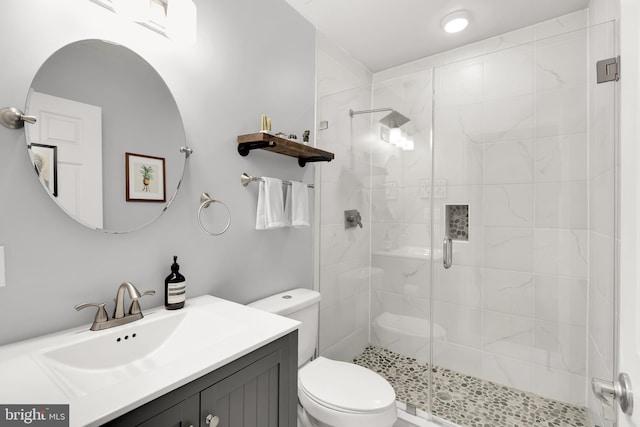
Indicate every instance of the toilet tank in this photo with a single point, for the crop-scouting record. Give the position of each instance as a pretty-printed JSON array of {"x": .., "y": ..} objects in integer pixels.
[{"x": 301, "y": 305}]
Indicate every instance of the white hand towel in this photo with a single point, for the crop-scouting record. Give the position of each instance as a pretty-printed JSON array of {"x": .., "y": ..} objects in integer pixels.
[
  {"x": 296, "y": 205},
  {"x": 270, "y": 213}
]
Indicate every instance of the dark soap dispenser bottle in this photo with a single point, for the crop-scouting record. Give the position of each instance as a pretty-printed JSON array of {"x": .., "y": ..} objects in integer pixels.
[{"x": 174, "y": 288}]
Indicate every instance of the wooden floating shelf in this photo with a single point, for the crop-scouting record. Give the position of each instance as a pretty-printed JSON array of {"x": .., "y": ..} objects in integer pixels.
[{"x": 264, "y": 141}]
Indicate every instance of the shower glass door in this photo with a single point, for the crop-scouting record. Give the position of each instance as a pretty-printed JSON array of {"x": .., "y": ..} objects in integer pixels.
[
  {"x": 524, "y": 184},
  {"x": 401, "y": 206}
]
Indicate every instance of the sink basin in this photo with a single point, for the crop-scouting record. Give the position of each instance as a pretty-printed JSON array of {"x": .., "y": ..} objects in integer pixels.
[
  {"x": 115, "y": 348},
  {"x": 109, "y": 356},
  {"x": 104, "y": 374}
]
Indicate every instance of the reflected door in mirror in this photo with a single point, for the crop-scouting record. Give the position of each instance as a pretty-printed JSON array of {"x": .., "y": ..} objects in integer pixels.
[{"x": 75, "y": 128}]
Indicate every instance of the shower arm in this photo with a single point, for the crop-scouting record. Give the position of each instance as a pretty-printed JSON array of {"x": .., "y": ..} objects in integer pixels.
[{"x": 376, "y": 110}]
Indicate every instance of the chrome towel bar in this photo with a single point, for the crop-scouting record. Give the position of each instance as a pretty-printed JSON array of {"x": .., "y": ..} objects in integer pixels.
[{"x": 245, "y": 179}]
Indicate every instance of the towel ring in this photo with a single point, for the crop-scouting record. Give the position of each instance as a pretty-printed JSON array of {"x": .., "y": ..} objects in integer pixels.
[{"x": 205, "y": 201}]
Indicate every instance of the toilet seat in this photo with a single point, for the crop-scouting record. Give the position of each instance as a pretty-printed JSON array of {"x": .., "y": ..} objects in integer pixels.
[{"x": 345, "y": 387}]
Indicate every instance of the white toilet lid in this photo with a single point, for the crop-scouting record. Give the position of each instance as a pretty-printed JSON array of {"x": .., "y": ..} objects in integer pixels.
[{"x": 345, "y": 386}]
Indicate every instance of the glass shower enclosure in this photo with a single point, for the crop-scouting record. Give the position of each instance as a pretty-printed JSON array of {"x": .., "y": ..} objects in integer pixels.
[{"x": 482, "y": 285}]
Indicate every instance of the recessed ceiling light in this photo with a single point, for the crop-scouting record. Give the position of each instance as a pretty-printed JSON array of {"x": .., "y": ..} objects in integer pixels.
[{"x": 456, "y": 21}]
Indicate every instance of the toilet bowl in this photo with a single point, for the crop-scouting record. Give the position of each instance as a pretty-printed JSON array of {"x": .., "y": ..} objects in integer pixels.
[
  {"x": 331, "y": 393},
  {"x": 335, "y": 393}
]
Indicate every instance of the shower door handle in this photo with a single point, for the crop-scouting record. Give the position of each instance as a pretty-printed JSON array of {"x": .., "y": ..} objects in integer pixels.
[{"x": 447, "y": 252}]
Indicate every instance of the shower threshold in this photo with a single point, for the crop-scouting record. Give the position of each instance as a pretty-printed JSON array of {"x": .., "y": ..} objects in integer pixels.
[
  {"x": 419, "y": 418},
  {"x": 464, "y": 400}
]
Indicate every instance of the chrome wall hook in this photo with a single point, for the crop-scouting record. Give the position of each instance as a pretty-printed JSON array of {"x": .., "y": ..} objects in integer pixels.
[{"x": 13, "y": 118}]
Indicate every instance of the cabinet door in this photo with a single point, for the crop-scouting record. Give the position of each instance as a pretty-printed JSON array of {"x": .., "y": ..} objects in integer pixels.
[
  {"x": 184, "y": 414},
  {"x": 250, "y": 397}
]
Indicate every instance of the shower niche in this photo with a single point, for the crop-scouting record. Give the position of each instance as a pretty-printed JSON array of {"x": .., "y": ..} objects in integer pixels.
[{"x": 456, "y": 219}]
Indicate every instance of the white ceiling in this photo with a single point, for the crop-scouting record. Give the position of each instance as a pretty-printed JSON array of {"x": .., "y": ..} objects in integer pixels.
[{"x": 384, "y": 33}]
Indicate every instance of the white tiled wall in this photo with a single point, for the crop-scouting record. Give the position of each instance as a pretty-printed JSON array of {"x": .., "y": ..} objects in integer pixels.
[
  {"x": 344, "y": 273},
  {"x": 518, "y": 136},
  {"x": 601, "y": 229},
  {"x": 511, "y": 140},
  {"x": 401, "y": 213}
]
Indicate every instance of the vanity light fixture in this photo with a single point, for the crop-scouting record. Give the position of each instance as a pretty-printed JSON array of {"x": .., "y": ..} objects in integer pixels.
[
  {"x": 174, "y": 19},
  {"x": 456, "y": 21},
  {"x": 134, "y": 10},
  {"x": 181, "y": 21}
]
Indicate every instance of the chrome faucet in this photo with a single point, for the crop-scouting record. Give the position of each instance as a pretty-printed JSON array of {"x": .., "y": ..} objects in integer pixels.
[{"x": 102, "y": 321}]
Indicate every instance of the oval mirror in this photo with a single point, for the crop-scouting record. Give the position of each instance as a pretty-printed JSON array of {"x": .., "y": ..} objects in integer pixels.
[{"x": 107, "y": 145}]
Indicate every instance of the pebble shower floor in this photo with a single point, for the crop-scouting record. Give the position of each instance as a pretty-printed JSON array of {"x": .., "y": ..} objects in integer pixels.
[{"x": 466, "y": 400}]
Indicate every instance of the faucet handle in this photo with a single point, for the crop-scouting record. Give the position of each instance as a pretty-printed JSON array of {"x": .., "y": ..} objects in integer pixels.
[
  {"x": 135, "y": 305},
  {"x": 101, "y": 313}
]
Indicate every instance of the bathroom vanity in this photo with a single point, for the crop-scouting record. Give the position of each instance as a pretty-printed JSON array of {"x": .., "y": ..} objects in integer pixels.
[
  {"x": 213, "y": 360},
  {"x": 258, "y": 389}
]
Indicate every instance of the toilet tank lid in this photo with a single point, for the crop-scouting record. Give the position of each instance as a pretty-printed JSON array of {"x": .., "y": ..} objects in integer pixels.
[{"x": 287, "y": 302}]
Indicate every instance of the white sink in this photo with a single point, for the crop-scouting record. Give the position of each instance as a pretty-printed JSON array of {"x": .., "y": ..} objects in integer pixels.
[
  {"x": 115, "y": 348},
  {"x": 103, "y": 358},
  {"x": 104, "y": 374}
]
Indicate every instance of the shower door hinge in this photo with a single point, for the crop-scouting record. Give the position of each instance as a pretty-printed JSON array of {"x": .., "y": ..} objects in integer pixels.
[{"x": 608, "y": 70}]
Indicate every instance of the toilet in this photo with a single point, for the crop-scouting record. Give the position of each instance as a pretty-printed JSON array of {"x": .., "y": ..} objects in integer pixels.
[{"x": 331, "y": 393}]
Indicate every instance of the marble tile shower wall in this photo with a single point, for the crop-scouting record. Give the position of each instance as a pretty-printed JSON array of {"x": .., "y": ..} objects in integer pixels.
[
  {"x": 511, "y": 141},
  {"x": 602, "y": 177},
  {"x": 344, "y": 268},
  {"x": 401, "y": 216}
]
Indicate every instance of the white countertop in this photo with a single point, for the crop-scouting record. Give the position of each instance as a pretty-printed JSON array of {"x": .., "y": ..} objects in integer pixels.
[{"x": 27, "y": 380}]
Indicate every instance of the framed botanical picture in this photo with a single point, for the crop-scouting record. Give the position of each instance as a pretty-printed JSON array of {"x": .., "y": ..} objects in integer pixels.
[
  {"x": 145, "y": 178},
  {"x": 45, "y": 160}
]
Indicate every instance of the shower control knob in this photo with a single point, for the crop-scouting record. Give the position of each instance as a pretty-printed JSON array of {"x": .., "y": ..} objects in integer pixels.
[{"x": 352, "y": 218}]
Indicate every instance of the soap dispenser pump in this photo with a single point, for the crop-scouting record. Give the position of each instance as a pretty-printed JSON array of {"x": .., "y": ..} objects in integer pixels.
[{"x": 174, "y": 288}]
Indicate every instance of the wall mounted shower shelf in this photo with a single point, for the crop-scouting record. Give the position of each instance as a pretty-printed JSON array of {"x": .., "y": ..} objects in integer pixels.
[{"x": 304, "y": 153}]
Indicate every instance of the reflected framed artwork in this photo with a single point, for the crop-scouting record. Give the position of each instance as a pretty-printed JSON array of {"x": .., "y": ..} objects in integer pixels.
[
  {"x": 145, "y": 178},
  {"x": 45, "y": 159}
]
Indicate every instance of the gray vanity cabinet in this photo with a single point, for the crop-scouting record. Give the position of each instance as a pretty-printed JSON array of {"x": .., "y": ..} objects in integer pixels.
[
  {"x": 248, "y": 398},
  {"x": 256, "y": 390},
  {"x": 183, "y": 414}
]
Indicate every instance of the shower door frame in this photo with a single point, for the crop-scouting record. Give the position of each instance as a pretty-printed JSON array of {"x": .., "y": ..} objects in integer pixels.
[{"x": 613, "y": 228}]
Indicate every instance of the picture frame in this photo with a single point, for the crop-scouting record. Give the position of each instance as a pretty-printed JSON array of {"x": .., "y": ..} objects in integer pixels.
[
  {"x": 45, "y": 161},
  {"x": 145, "y": 178}
]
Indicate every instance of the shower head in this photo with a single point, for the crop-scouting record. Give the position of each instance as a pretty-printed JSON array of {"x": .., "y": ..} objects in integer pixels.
[{"x": 391, "y": 120}]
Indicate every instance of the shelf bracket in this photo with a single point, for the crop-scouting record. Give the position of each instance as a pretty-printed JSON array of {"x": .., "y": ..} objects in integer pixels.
[
  {"x": 246, "y": 147},
  {"x": 302, "y": 162}
]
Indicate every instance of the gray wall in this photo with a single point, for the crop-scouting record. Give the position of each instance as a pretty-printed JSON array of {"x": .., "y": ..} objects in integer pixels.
[{"x": 252, "y": 57}]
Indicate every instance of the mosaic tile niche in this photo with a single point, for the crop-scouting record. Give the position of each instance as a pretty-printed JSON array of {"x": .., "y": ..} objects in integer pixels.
[{"x": 457, "y": 222}]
